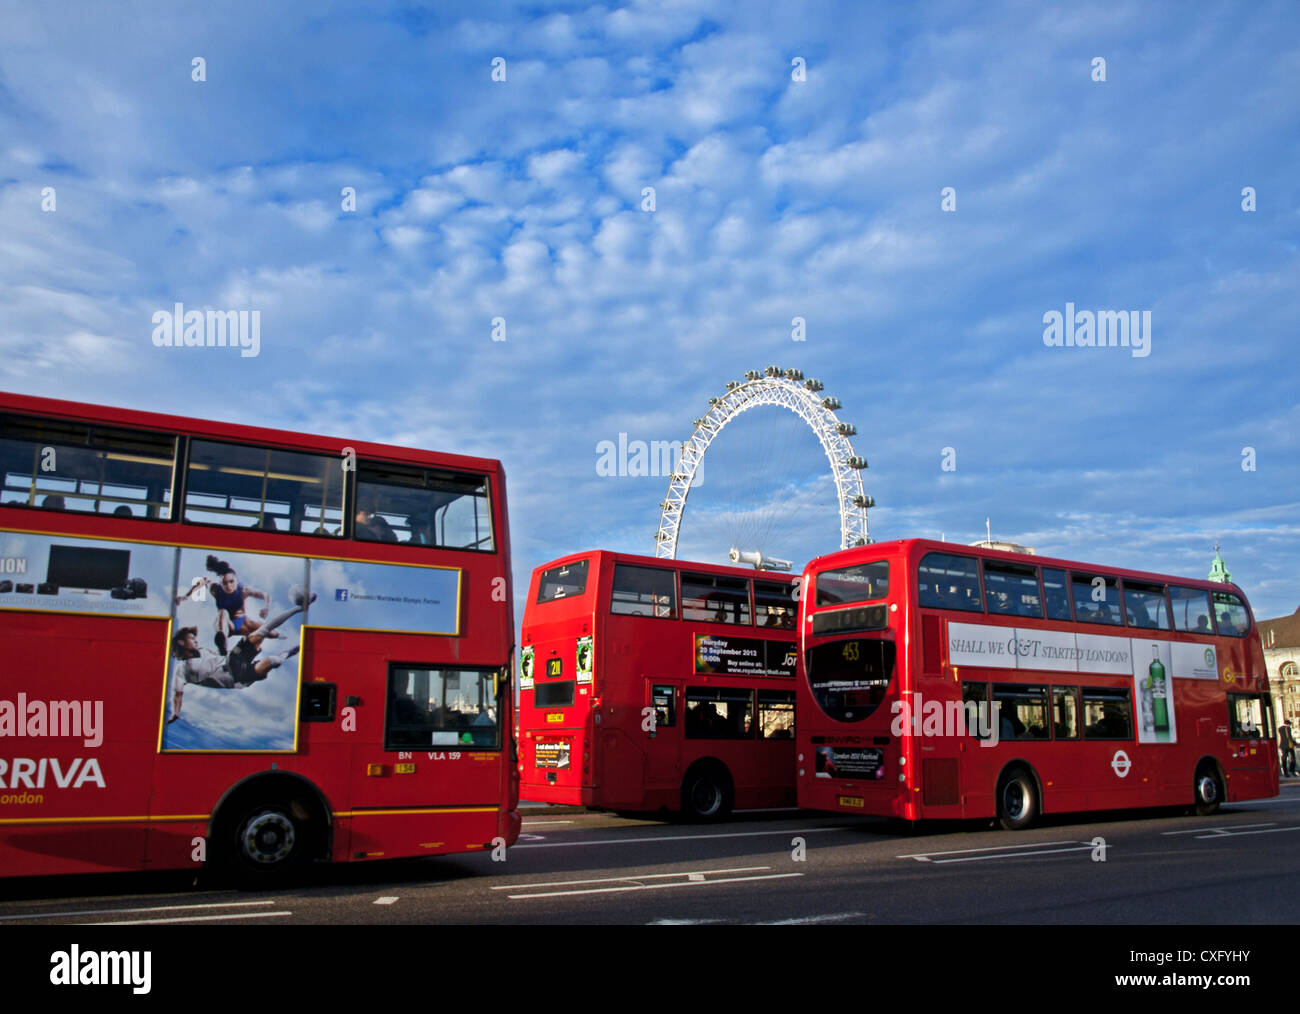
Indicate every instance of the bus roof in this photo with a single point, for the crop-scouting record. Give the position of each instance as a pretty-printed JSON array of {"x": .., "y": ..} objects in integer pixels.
[
  {"x": 911, "y": 549},
  {"x": 82, "y": 412},
  {"x": 674, "y": 564}
]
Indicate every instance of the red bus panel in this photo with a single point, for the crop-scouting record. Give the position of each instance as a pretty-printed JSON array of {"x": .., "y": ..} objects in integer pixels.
[
  {"x": 942, "y": 681},
  {"x": 657, "y": 685},
  {"x": 231, "y": 644}
]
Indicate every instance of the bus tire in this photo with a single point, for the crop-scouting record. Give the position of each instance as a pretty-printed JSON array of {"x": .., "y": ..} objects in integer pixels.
[
  {"x": 1017, "y": 800},
  {"x": 706, "y": 793},
  {"x": 1208, "y": 790},
  {"x": 262, "y": 841}
]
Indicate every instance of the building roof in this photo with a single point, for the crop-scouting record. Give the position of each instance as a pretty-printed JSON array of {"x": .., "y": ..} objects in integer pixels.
[{"x": 1283, "y": 632}]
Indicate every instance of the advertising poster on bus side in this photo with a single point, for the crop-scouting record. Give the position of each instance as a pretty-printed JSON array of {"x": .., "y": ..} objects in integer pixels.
[
  {"x": 234, "y": 653},
  {"x": 62, "y": 574}
]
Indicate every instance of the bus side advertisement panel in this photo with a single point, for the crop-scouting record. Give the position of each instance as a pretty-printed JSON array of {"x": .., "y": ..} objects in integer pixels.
[{"x": 744, "y": 656}]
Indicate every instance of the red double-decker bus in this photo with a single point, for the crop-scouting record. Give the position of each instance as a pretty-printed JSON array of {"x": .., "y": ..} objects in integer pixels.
[
  {"x": 246, "y": 648},
  {"x": 942, "y": 681},
  {"x": 650, "y": 684}
]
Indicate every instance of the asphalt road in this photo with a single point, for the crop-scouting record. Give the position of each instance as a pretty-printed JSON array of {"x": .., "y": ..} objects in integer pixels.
[{"x": 577, "y": 868}]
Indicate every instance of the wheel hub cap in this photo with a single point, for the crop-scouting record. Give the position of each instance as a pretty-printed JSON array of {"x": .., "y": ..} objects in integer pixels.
[{"x": 268, "y": 838}]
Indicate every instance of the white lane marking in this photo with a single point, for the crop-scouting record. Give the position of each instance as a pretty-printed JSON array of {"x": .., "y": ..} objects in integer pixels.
[
  {"x": 988, "y": 848},
  {"x": 682, "y": 922},
  {"x": 120, "y": 911},
  {"x": 388, "y": 899},
  {"x": 197, "y": 918},
  {"x": 924, "y": 858},
  {"x": 1199, "y": 830},
  {"x": 771, "y": 809},
  {"x": 678, "y": 837},
  {"x": 539, "y": 823},
  {"x": 695, "y": 876},
  {"x": 623, "y": 880},
  {"x": 1275, "y": 801},
  {"x": 654, "y": 887},
  {"x": 1237, "y": 834},
  {"x": 811, "y": 919}
]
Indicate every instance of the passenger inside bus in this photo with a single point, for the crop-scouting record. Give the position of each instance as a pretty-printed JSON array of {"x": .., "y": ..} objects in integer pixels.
[{"x": 373, "y": 528}]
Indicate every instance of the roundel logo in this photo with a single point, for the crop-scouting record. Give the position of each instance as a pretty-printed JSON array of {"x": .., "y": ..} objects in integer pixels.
[
  {"x": 1120, "y": 764},
  {"x": 1209, "y": 656}
]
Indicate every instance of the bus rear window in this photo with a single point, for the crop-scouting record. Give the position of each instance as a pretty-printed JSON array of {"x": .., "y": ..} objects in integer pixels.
[
  {"x": 861, "y": 583},
  {"x": 849, "y": 678},
  {"x": 566, "y": 581}
]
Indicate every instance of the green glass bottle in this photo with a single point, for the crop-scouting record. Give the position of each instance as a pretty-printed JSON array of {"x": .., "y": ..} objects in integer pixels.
[{"x": 1156, "y": 684}]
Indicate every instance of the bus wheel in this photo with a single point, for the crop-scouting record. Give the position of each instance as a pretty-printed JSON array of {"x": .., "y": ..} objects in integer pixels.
[
  {"x": 1017, "y": 800},
  {"x": 1209, "y": 793},
  {"x": 265, "y": 842},
  {"x": 706, "y": 794}
]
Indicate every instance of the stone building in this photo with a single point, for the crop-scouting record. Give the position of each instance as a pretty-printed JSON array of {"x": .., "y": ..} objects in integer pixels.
[{"x": 1281, "y": 639}]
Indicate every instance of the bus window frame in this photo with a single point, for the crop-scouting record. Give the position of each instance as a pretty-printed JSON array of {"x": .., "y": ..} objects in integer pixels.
[
  {"x": 354, "y": 492},
  {"x": 343, "y": 534},
  {"x": 180, "y": 447},
  {"x": 674, "y": 614}
]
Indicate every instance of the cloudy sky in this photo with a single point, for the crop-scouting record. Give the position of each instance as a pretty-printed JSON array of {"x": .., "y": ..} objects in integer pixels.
[{"x": 774, "y": 198}]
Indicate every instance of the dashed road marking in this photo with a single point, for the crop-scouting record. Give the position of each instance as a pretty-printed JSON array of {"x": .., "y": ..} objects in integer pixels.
[
  {"x": 635, "y": 882},
  {"x": 680, "y": 837},
  {"x": 125, "y": 911},
  {"x": 195, "y": 918},
  {"x": 998, "y": 852}
]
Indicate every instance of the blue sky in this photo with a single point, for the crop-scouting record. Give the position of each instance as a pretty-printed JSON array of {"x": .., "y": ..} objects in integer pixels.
[{"x": 774, "y": 198}]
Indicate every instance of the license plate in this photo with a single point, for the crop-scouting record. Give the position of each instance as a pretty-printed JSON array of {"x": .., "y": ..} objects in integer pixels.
[
  {"x": 557, "y": 717},
  {"x": 852, "y": 801}
]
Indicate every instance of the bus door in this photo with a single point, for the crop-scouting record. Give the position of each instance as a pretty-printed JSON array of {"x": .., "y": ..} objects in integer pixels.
[
  {"x": 1252, "y": 761},
  {"x": 662, "y": 729},
  {"x": 439, "y": 761}
]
